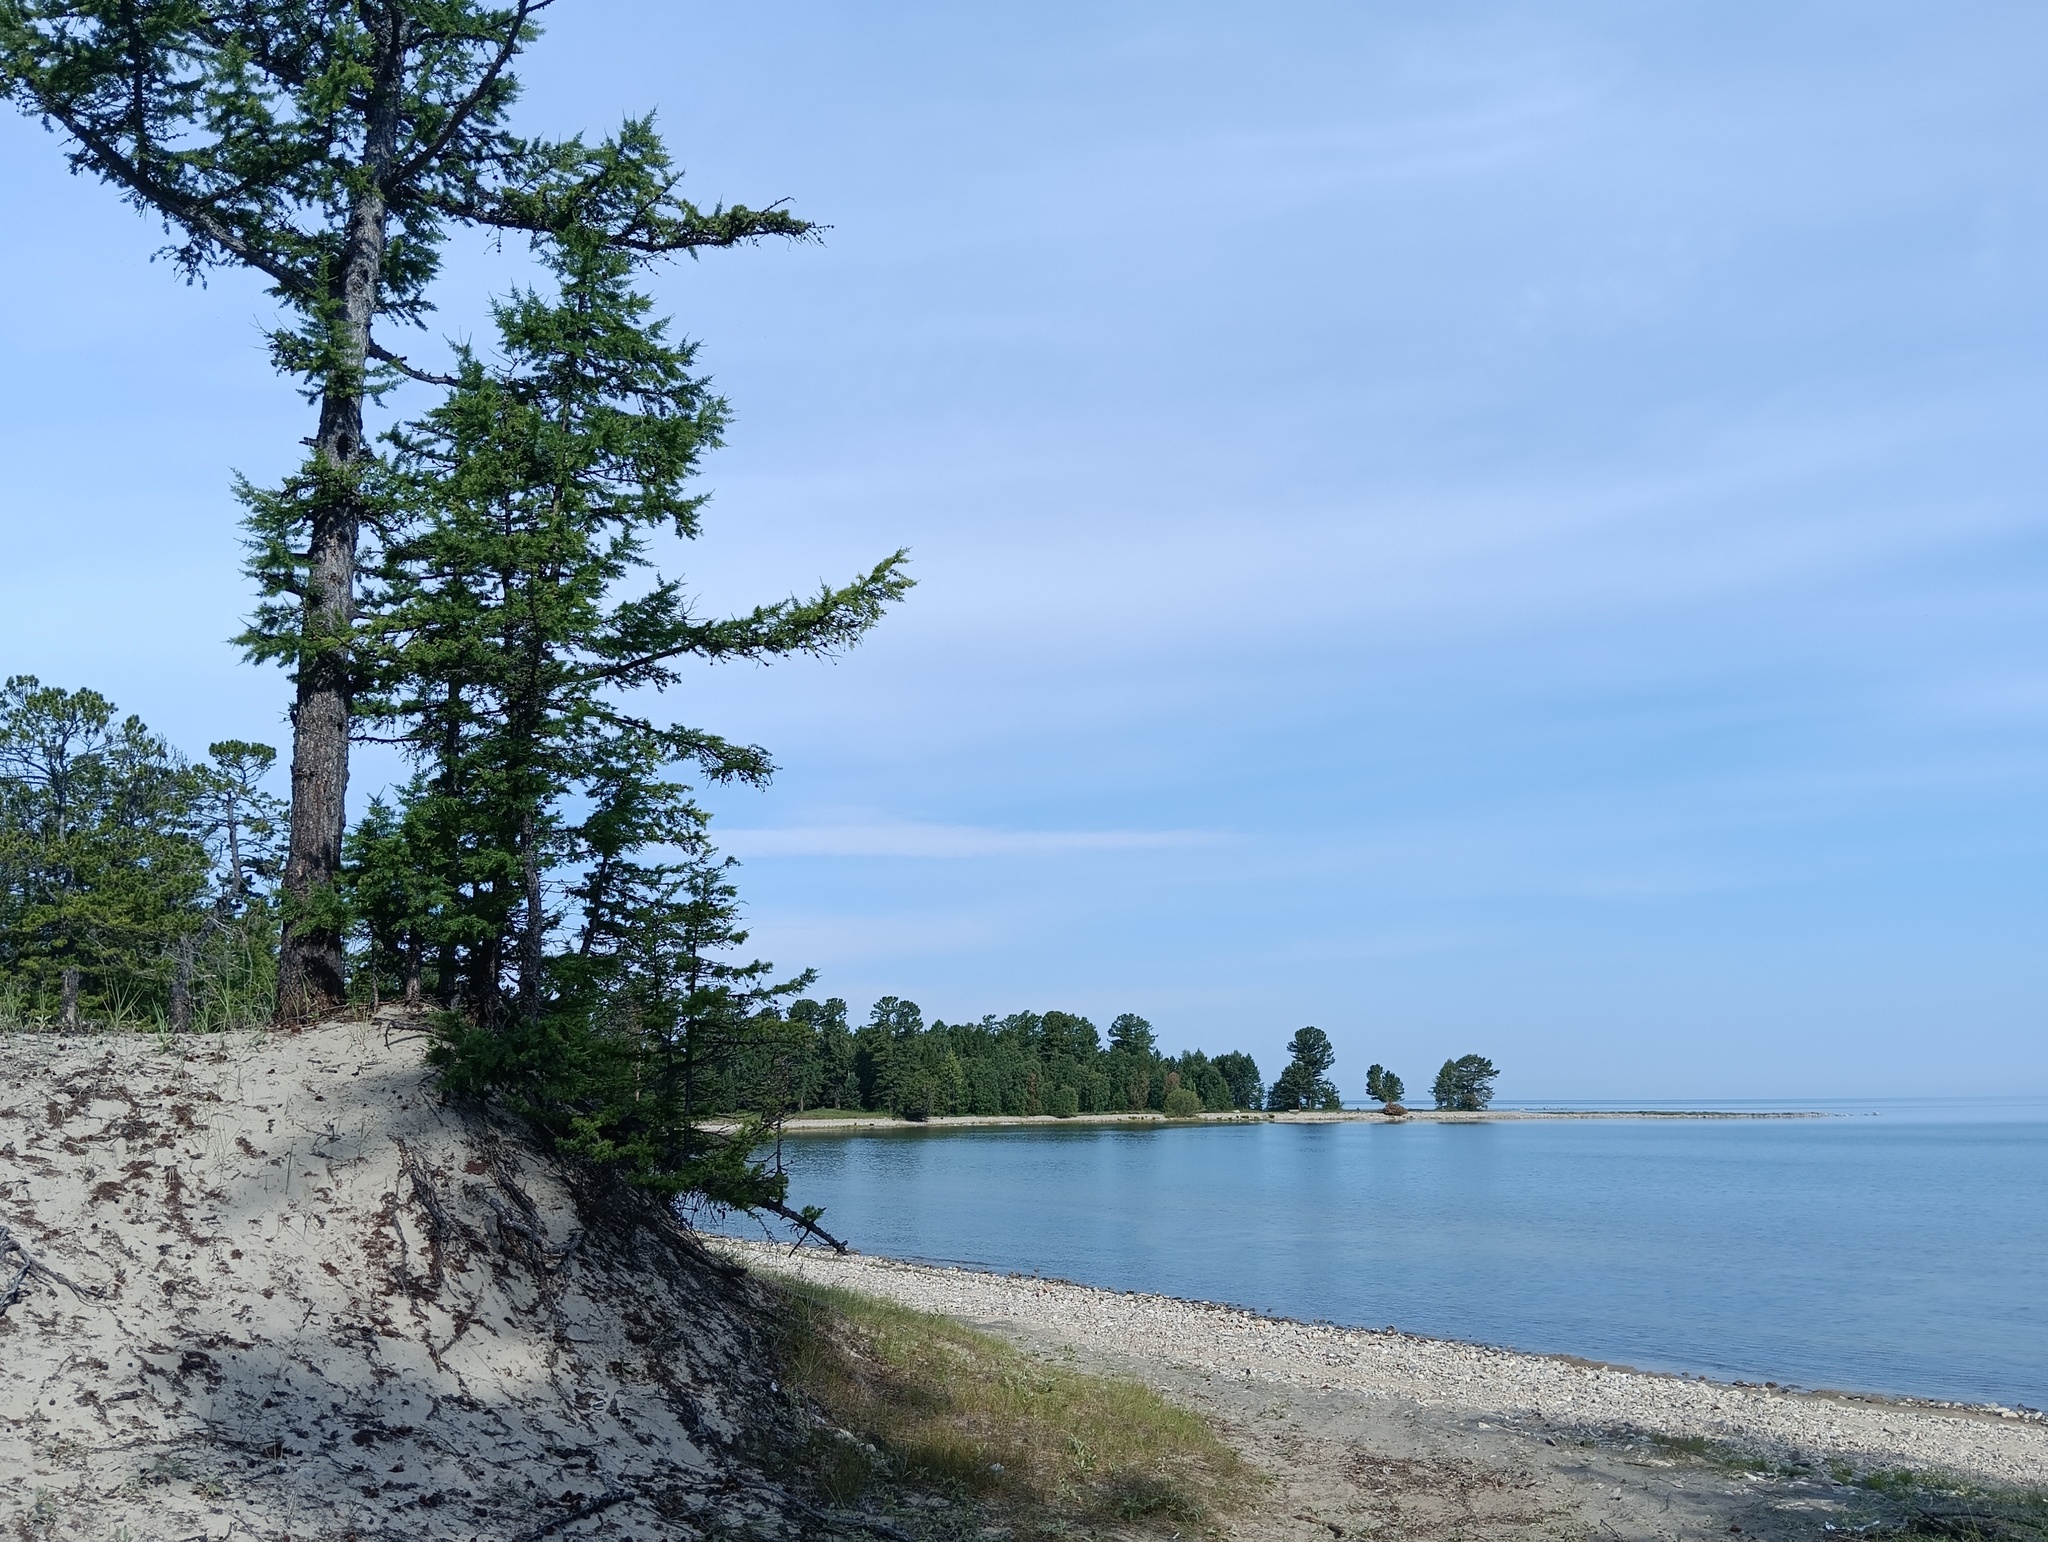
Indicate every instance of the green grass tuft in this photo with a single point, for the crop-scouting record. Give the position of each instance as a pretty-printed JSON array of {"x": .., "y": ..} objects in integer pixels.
[{"x": 933, "y": 1404}]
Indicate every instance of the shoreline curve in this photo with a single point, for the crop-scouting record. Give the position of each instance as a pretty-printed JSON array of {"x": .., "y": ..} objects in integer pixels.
[{"x": 1867, "y": 1431}]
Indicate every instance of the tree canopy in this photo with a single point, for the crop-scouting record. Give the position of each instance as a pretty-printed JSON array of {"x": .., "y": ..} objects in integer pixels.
[
  {"x": 545, "y": 873},
  {"x": 1305, "y": 1081},
  {"x": 1383, "y": 1086},
  {"x": 1465, "y": 1083},
  {"x": 134, "y": 883},
  {"x": 333, "y": 148},
  {"x": 1024, "y": 1063}
]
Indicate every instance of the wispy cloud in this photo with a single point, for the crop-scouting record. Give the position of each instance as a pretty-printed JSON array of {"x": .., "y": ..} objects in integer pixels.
[{"x": 903, "y": 839}]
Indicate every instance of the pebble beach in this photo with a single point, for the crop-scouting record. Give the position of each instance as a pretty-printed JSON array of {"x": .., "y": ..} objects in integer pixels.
[{"x": 1986, "y": 1444}]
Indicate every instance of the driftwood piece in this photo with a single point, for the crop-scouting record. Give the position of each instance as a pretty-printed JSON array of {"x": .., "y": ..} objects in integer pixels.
[
  {"x": 27, "y": 1269},
  {"x": 582, "y": 1512},
  {"x": 439, "y": 1228}
]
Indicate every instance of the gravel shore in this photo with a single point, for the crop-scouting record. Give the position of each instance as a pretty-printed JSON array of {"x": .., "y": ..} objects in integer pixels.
[
  {"x": 848, "y": 1124},
  {"x": 1448, "y": 1379}
]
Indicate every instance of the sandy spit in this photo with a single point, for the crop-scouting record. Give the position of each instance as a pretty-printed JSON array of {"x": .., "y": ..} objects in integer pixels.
[
  {"x": 1986, "y": 1444},
  {"x": 846, "y": 1124}
]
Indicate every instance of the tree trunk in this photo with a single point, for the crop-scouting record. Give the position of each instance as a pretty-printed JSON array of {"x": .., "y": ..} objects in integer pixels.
[
  {"x": 234, "y": 850},
  {"x": 444, "y": 976},
  {"x": 311, "y": 974},
  {"x": 531, "y": 937},
  {"x": 69, "y": 1008},
  {"x": 181, "y": 986},
  {"x": 412, "y": 967}
]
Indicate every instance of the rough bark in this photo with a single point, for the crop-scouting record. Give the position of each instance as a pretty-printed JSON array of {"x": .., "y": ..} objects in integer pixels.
[
  {"x": 535, "y": 929},
  {"x": 412, "y": 967},
  {"x": 181, "y": 985},
  {"x": 311, "y": 974}
]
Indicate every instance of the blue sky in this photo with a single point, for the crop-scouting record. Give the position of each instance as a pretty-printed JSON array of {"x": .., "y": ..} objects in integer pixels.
[{"x": 1480, "y": 527}]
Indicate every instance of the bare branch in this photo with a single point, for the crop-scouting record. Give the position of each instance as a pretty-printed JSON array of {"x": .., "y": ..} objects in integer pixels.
[
  {"x": 807, "y": 1223},
  {"x": 384, "y": 355},
  {"x": 582, "y": 1512}
]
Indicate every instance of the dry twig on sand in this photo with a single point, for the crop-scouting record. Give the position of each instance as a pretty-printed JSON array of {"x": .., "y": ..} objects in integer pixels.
[{"x": 27, "y": 1268}]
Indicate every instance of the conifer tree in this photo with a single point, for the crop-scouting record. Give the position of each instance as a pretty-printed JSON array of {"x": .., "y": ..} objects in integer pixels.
[
  {"x": 628, "y": 1065},
  {"x": 1384, "y": 1086},
  {"x": 1241, "y": 1073},
  {"x": 242, "y": 818},
  {"x": 1132, "y": 1035},
  {"x": 330, "y": 146},
  {"x": 545, "y": 869},
  {"x": 103, "y": 859},
  {"x": 1305, "y": 1082},
  {"x": 1465, "y": 1083},
  {"x": 132, "y": 881}
]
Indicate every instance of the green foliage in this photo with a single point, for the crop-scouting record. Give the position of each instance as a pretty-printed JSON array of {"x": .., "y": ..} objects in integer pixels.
[
  {"x": 1305, "y": 1082},
  {"x": 1240, "y": 1074},
  {"x": 138, "y": 875},
  {"x": 1383, "y": 1086},
  {"x": 1130, "y": 1034},
  {"x": 1183, "y": 1103},
  {"x": 544, "y": 875},
  {"x": 1465, "y": 1083},
  {"x": 262, "y": 134},
  {"x": 333, "y": 148},
  {"x": 1026, "y": 1063},
  {"x": 826, "y": 1076},
  {"x": 653, "y": 1030}
]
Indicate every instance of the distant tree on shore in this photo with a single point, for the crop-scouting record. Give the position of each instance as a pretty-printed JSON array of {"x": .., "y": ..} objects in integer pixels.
[
  {"x": 1305, "y": 1083},
  {"x": 1241, "y": 1074},
  {"x": 830, "y": 1081},
  {"x": 1024, "y": 1064},
  {"x": 1130, "y": 1034},
  {"x": 1465, "y": 1083},
  {"x": 1383, "y": 1086}
]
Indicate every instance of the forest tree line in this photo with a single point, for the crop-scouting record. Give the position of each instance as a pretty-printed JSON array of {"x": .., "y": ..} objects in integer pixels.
[
  {"x": 1044, "y": 1063},
  {"x": 1026, "y": 1063},
  {"x": 137, "y": 886}
]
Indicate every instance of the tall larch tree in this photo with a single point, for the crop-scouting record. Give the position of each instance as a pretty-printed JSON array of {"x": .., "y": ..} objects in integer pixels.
[{"x": 331, "y": 146}]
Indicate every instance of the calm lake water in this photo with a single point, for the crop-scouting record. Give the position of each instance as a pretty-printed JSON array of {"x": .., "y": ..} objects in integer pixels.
[{"x": 1904, "y": 1251}]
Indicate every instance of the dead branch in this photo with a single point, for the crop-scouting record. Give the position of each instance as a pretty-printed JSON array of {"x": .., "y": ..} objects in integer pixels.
[
  {"x": 439, "y": 1227},
  {"x": 384, "y": 355},
  {"x": 520, "y": 1223},
  {"x": 582, "y": 1512},
  {"x": 28, "y": 1268},
  {"x": 809, "y": 1227},
  {"x": 839, "y": 1518}
]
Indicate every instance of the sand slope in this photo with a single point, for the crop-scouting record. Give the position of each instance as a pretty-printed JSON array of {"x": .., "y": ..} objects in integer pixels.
[{"x": 313, "y": 1303}]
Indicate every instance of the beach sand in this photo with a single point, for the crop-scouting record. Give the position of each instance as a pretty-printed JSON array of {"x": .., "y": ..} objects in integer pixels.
[
  {"x": 307, "y": 1300},
  {"x": 309, "y": 1303}
]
